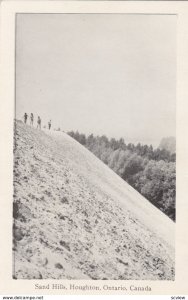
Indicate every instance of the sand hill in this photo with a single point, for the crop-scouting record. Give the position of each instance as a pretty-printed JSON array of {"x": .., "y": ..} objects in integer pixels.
[{"x": 74, "y": 218}]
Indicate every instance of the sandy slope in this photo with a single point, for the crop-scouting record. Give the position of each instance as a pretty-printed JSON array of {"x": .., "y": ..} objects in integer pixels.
[{"x": 76, "y": 219}]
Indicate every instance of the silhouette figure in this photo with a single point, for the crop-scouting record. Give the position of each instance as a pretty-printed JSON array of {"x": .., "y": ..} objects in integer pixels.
[
  {"x": 49, "y": 124},
  {"x": 31, "y": 119},
  {"x": 25, "y": 118},
  {"x": 39, "y": 122}
]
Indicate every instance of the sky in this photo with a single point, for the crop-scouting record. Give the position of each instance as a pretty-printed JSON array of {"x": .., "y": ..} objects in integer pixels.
[{"x": 112, "y": 74}]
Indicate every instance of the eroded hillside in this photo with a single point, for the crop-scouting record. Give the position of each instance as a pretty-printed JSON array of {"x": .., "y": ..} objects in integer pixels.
[{"x": 74, "y": 218}]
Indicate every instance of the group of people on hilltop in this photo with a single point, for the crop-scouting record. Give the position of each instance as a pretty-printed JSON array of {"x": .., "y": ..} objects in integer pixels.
[{"x": 38, "y": 121}]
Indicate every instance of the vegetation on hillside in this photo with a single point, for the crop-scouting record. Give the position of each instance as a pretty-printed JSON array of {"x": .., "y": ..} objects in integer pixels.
[{"x": 150, "y": 171}]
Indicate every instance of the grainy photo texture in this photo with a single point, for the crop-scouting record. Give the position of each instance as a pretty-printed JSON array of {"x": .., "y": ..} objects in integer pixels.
[{"x": 94, "y": 147}]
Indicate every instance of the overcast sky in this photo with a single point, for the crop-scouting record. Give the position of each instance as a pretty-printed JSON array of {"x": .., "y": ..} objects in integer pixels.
[{"x": 111, "y": 74}]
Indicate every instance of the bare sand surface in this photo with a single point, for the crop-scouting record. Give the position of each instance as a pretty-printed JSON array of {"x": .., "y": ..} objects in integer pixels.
[{"x": 74, "y": 218}]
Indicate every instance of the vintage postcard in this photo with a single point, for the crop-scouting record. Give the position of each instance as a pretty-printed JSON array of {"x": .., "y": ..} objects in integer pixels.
[{"x": 94, "y": 148}]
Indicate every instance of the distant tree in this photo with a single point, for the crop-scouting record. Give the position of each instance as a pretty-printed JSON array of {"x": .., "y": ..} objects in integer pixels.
[
  {"x": 113, "y": 144},
  {"x": 124, "y": 157},
  {"x": 173, "y": 157},
  {"x": 104, "y": 140},
  {"x": 138, "y": 149},
  {"x": 130, "y": 146},
  {"x": 71, "y": 133},
  {"x": 113, "y": 159},
  {"x": 105, "y": 155},
  {"x": 133, "y": 166},
  {"x": 150, "y": 152},
  {"x": 90, "y": 142},
  {"x": 82, "y": 139},
  {"x": 121, "y": 144}
]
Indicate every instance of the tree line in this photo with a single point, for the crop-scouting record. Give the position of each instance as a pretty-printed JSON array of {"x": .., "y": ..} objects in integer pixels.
[{"x": 152, "y": 172}]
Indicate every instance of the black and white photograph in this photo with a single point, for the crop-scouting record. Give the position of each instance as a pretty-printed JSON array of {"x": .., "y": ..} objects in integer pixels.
[{"x": 94, "y": 172}]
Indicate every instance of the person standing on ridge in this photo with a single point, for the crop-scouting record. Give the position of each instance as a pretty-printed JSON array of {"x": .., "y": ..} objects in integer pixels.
[
  {"x": 25, "y": 118},
  {"x": 49, "y": 124},
  {"x": 39, "y": 123},
  {"x": 31, "y": 119}
]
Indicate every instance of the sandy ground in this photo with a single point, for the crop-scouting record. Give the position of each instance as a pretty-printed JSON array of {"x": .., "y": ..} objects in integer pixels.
[{"x": 74, "y": 218}]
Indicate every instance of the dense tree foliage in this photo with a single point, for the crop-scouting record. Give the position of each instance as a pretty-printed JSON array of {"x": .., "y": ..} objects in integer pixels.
[{"x": 150, "y": 171}]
